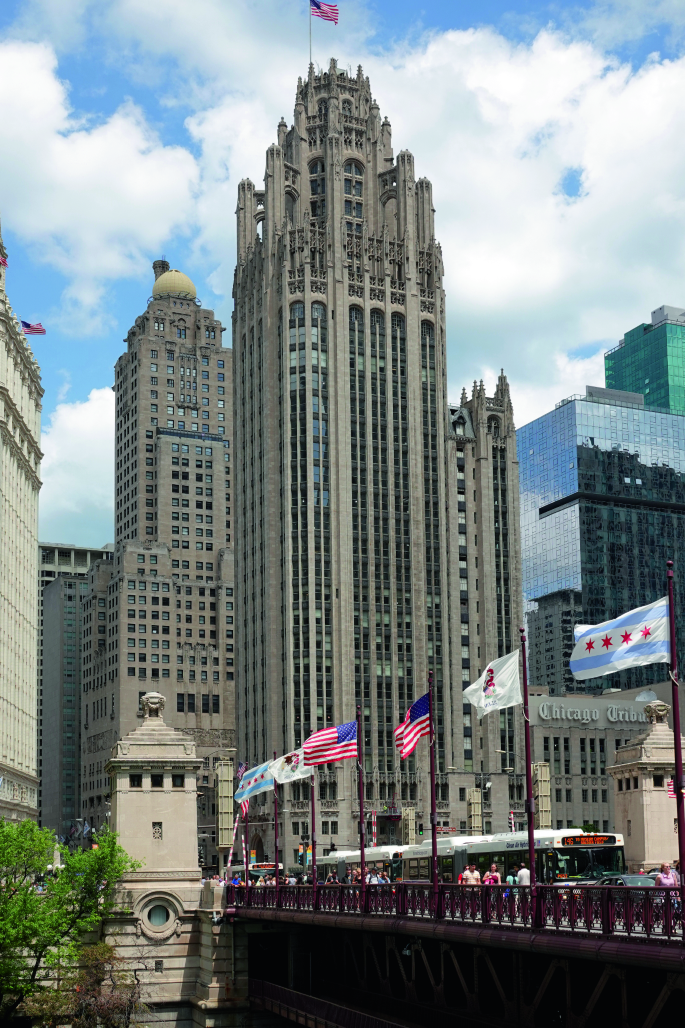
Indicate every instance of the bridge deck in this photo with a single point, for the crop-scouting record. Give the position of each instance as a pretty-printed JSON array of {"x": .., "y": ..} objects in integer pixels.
[{"x": 600, "y": 914}]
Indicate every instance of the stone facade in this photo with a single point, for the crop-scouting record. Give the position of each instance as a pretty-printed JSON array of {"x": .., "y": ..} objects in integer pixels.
[
  {"x": 645, "y": 813},
  {"x": 344, "y": 436},
  {"x": 193, "y": 970},
  {"x": 162, "y": 611},
  {"x": 20, "y": 456}
]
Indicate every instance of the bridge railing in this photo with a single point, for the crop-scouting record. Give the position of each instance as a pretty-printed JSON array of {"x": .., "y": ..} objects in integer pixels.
[{"x": 621, "y": 911}]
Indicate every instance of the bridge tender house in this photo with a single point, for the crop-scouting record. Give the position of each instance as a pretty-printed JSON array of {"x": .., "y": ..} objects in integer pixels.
[{"x": 578, "y": 737}]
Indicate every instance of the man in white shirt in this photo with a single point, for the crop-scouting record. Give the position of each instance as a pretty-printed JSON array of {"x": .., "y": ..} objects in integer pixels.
[
  {"x": 523, "y": 877},
  {"x": 470, "y": 876}
]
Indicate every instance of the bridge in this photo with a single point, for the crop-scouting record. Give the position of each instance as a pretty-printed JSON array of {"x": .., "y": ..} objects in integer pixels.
[{"x": 405, "y": 954}]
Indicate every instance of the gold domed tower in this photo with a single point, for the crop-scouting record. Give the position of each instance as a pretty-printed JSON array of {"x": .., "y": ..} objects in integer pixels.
[{"x": 171, "y": 282}]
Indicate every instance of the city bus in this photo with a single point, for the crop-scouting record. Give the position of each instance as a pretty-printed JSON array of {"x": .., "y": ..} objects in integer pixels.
[
  {"x": 560, "y": 856},
  {"x": 257, "y": 871}
]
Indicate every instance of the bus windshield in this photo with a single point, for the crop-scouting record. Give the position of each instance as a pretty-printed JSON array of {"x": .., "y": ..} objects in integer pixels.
[{"x": 588, "y": 863}]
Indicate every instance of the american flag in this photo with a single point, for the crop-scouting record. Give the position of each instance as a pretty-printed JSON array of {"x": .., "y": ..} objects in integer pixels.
[
  {"x": 245, "y": 806},
  {"x": 33, "y": 330},
  {"x": 329, "y": 12},
  {"x": 339, "y": 743},
  {"x": 242, "y": 768},
  {"x": 671, "y": 788},
  {"x": 415, "y": 724},
  {"x": 3, "y": 261}
]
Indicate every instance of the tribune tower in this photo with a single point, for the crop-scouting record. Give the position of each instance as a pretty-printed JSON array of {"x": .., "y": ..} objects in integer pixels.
[{"x": 342, "y": 429}]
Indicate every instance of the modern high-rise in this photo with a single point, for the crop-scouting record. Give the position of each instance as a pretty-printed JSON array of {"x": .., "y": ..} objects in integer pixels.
[
  {"x": 56, "y": 560},
  {"x": 650, "y": 359},
  {"x": 602, "y": 481},
  {"x": 160, "y": 615},
  {"x": 343, "y": 441},
  {"x": 20, "y": 456}
]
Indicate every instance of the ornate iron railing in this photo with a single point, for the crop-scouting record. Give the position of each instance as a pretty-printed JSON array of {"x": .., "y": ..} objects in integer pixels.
[{"x": 619, "y": 911}]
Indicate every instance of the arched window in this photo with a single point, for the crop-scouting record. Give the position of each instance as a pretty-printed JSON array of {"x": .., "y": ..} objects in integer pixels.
[
  {"x": 296, "y": 325},
  {"x": 493, "y": 427},
  {"x": 377, "y": 330},
  {"x": 317, "y": 189},
  {"x": 428, "y": 332},
  {"x": 356, "y": 329},
  {"x": 318, "y": 324},
  {"x": 354, "y": 196}
]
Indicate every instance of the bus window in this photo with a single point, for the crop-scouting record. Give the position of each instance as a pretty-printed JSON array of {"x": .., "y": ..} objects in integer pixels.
[
  {"x": 573, "y": 863},
  {"x": 445, "y": 866},
  {"x": 606, "y": 859},
  {"x": 413, "y": 869},
  {"x": 424, "y": 868}
]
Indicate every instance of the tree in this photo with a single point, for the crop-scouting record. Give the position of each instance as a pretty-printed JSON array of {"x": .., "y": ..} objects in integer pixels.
[
  {"x": 44, "y": 914},
  {"x": 98, "y": 993}
]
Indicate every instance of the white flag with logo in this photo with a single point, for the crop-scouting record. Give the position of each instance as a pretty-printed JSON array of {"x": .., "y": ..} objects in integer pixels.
[
  {"x": 290, "y": 767},
  {"x": 499, "y": 685}
]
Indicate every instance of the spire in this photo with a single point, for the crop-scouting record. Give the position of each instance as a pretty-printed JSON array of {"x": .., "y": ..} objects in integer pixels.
[{"x": 464, "y": 397}]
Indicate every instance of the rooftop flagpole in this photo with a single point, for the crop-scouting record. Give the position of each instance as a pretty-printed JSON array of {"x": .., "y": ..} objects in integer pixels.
[{"x": 310, "y": 32}]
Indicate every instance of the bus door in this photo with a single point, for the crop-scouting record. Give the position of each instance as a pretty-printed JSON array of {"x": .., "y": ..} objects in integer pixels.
[{"x": 459, "y": 862}]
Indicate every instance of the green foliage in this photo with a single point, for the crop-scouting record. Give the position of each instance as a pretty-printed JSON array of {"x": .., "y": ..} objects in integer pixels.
[
  {"x": 43, "y": 914},
  {"x": 98, "y": 993}
]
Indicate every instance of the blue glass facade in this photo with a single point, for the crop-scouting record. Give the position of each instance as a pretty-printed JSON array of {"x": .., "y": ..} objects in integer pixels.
[{"x": 602, "y": 488}]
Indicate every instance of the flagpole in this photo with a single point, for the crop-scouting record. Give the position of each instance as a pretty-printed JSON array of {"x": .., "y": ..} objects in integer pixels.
[
  {"x": 310, "y": 33},
  {"x": 278, "y": 876},
  {"x": 434, "y": 820},
  {"x": 530, "y": 802},
  {"x": 362, "y": 826},
  {"x": 679, "y": 783},
  {"x": 313, "y": 805},
  {"x": 247, "y": 851}
]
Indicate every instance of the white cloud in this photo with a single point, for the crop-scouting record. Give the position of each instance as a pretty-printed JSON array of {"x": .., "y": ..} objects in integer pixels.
[
  {"x": 76, "y": 502},
  {"x": 531, "y": 274},
  {"x": 90, "y": 199}
]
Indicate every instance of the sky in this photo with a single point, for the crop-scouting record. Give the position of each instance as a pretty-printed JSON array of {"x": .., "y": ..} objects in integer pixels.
[{"x": 553, "y": 134}]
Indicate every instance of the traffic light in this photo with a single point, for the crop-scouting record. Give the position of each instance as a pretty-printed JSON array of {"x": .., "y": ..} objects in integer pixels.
[{"x": 420, "y": 829}]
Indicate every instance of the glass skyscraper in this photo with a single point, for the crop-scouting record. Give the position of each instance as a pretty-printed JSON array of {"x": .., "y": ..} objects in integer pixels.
[
  {"x": 602, "y": 483},
  {"x": 650, "y": 359}
]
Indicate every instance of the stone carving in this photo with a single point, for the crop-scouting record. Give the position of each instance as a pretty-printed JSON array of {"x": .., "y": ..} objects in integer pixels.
[
  {"x": 657, "y": 712},
  {"x": 152, "y": 704}
]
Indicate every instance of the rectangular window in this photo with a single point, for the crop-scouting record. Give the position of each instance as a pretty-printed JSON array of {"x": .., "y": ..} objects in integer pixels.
[
  {"x": 135, "y": 781},
  {"x": 191, "y": 703},
  {"x": 334, "y": 827},
  {"x": 205, "y": 703},
  {"x": 215, "y": 704},
  {"x": 180, "y": 702},
  {"x": 583, "y": 795}
]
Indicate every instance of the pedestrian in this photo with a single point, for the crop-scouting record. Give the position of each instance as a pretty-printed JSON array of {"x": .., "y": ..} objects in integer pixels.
[
  {"x": 332, "y": 878},
  {"x": 471, "y": 876},
  {"x": 523, "y": 877},
  {"x": 492, "y": 877},
  {"x": 512, "y": 877},
  {"x": 666, "y": 878}
]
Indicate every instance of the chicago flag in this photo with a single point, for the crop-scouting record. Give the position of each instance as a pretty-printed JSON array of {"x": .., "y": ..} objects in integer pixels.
[{"x": 641, "y": 636}]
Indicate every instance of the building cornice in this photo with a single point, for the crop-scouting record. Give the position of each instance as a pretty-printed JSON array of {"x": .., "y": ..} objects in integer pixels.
[
  {"x": 18, "y": 419},
  {"x": 21, "y": 348}
]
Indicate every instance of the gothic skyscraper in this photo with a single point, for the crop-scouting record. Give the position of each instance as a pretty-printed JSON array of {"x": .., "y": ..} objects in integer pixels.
[{"x": 342, "y": 427}]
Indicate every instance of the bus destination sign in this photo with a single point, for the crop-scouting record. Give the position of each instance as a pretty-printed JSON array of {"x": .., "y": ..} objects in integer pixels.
[{"x": 588, "y": 840}]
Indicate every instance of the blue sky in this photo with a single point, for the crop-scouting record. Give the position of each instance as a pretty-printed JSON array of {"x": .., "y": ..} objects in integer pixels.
[{"x": 554, "y": 135}]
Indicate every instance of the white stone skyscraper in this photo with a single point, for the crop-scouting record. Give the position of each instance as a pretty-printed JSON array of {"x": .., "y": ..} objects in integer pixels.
[
  {"x": 344, "y": 540},
  {"x": 20, "y": 456}
]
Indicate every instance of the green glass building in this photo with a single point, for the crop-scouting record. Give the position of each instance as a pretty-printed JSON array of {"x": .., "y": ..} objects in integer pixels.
[{"x": 650, "y": 359}]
